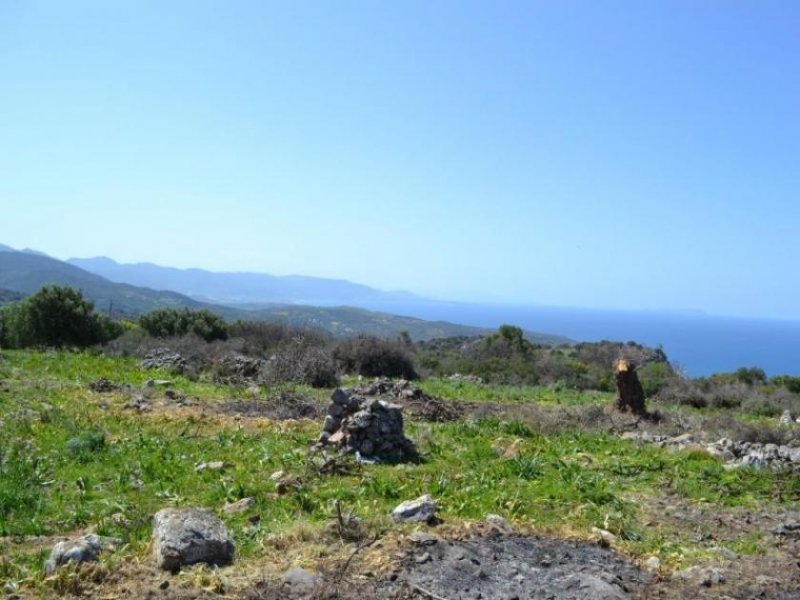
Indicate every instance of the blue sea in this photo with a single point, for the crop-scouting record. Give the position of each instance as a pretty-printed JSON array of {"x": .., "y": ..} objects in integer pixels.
[{"x": 698, "y": 344}]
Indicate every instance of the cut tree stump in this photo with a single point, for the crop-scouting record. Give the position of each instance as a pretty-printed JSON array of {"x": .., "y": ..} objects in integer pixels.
[{"x": 631, "y": 394}]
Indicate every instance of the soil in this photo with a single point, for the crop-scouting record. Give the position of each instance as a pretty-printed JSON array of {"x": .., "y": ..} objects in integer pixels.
[
  {"x": 518, "y": 567},
  {"x": 280, "y": 408}
]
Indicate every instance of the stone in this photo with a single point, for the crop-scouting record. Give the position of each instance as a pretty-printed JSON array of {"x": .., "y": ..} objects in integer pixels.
[
  {"x": 81, "y": 549},
  {"x": 340, "y": 397},
  {"x": 422, "y": 538},
  {"x": 787, "y": 418},
  {"x": 653, "y": 563},
  {"x": 298, "y": 582},
  {"x": 185, "y": 536},
  {"x": 239, "y": 506},
  {"x": 331, "y": 424},
  {"x": 604, "y": 537},
  {"x": 215, "y": 465},
  {"x": 499, "y": 523},
  {"x": 421, "y": 510}
]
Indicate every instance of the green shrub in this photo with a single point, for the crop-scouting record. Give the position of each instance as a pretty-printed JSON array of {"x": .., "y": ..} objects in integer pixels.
[
  {"x": 56, "y": 316},
  {"x": 171, "y": 322},
  {"x": 654, "y": 377},
  {"x": 373, "y": 357}
]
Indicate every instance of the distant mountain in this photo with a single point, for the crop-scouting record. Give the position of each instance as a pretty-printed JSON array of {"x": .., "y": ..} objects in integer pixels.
[
  {"x": 26, "y": 273},
  {"x": 299, "y": 299},
  {"x": 23, "y": 273},
  {"x": 4, "y": 248},
  {"x": 9, "y": 296},
  {"x": 241, "y": 288}
]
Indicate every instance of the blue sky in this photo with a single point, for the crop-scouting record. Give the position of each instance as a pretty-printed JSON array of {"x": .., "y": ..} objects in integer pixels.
[{"x": 636, "y": 155}]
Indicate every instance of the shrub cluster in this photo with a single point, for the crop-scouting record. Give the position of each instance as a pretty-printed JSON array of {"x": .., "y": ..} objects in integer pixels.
[
  {"x": 747, "y": 390},
  {"x": 55, "y": 316},
  {"x": 172, "y": 322},
  {"x": 373, "y": 357},
  {"x": 506, "y": 357}
]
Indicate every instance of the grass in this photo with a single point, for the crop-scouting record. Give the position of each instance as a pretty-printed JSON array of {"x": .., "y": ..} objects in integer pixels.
[{"x": 71, "y": 459}]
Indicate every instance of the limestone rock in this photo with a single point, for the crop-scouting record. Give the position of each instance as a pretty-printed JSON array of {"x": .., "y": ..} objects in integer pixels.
[
  {"x": 185, "y": 536},
  {"x": 421, "y": 510},
  {"x": 82, "y": 549},
  {"x": 299, "y": 583},
  {"x": 499, "y": 523}
]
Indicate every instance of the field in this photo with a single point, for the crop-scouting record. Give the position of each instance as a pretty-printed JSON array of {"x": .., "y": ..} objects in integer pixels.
[{"x": 552, "y": 463}]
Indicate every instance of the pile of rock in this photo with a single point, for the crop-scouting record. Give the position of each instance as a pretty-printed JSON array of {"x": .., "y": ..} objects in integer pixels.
[
  {"x": 237, "y": 368},
  {"x": 415, "y": 402},
  {"x": 734, "y": 454},
  {"x": 370, "y": 428},
  {"x": 164, "y": 358},
  {"x": 401, "y": 388}
]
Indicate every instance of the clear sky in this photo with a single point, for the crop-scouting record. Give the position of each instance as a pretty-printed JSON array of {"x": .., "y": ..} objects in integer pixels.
[{"x": 641, "y": 155}]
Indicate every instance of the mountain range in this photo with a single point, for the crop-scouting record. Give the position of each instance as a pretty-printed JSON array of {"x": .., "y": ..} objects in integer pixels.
[
  {"x": 338, "y": 306},
  {"x": 240, "y": 288}
]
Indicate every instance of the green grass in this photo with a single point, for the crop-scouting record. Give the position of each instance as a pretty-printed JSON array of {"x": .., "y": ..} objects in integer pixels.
[
  {"x": 72, "y": 459},
  {"x": 480, "y": 392}
]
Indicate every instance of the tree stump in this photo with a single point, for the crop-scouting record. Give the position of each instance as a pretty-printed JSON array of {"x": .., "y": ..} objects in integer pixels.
[{"x": 631, "y": 394}]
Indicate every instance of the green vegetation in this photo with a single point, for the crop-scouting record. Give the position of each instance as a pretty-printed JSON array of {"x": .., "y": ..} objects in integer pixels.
[
  {"x": 534, "y": 438},
  {"x": 171, "y": 322},
  {"x": 55, "y": 316},
  {"x": 71, "y": 459}
]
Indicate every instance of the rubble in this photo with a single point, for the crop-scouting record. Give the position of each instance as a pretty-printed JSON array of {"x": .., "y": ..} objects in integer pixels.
[{"x": 734, "y": 454}]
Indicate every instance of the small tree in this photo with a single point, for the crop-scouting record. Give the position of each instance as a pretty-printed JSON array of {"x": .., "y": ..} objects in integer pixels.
[{"x": 57, "y": 316}]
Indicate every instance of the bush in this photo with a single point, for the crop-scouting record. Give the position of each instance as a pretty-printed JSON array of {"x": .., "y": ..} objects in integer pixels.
[
  {"x": 373, "y": 357},
  {"x": 171, "y": 322},
  {"x": 56, "y": 316},
  {"x": 299, "y": 362},
  {"x": 260, "y": 338}
]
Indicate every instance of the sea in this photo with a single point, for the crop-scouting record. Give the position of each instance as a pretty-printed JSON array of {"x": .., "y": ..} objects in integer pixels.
[{"x": 697, "y": 344}]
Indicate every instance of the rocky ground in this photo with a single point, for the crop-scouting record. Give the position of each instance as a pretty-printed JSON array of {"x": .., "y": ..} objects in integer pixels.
[{"x": 738, "y": 552}]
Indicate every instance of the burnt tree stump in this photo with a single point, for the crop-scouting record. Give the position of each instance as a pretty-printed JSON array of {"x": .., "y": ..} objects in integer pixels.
[{"x": 631, "y": 394}]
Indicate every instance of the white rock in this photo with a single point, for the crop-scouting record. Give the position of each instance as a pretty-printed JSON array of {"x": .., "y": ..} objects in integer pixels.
[
  {"x": 421, "y": 510},
  {"x": 653, "y": 563},
  {"x": 82, "y": 549}
]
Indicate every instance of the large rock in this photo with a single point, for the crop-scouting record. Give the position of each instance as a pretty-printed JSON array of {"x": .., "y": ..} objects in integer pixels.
[
  {"x": 81, "y": 549},
  {"x": 187, "y": 536}
]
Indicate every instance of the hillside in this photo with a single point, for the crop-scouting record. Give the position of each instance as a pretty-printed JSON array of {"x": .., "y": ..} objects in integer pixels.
[
  {"x": 25, "y": 273},
  {"x": 8, "y": 296},
  {"x": 239, "y": 288}
]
